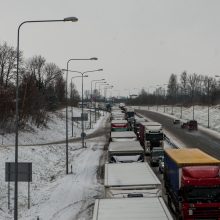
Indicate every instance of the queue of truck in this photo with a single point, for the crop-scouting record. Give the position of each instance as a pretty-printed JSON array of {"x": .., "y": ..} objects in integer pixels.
[{"x": 132, "y": 190}]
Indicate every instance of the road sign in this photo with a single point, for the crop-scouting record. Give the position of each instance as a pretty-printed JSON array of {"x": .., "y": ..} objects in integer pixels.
[
  {"x": 24, "y": 175},
  {"x": 24, "y": 172},
  {"x": 76, "y": 118},
  {"x": 84, "y": 116},
  {"x": 83, "y": 135}
]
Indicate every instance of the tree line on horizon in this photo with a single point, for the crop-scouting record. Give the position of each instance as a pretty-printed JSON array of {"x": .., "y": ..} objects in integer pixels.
[
  {"x": 41, "y": 89},
  {"x": 186, "y": 89}
]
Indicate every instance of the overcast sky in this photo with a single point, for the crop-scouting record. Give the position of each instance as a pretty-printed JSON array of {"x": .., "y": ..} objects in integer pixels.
[{"x": 139, "y": 43}]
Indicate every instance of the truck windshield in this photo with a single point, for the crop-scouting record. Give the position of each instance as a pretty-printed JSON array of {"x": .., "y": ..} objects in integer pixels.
[
  {"x": 154, "y": 137},
  {"x": 130, "y": 114},
  {"x": 157, "y": 153},
  {"x": 202, "y": 194}
]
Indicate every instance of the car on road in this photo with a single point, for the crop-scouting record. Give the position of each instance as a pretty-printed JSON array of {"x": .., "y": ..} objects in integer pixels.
[
  {"x": 190, "y": 125},
  {"x": 176, "y": 121}
]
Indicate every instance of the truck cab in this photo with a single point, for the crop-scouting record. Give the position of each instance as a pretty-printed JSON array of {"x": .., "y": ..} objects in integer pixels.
[
  {"x": 192, "y": 183},
  {"x": 153, "y": 135},
  {"x": 150, "y": 135},
  {"x": 156, "y": 154},
  {"x": 200, "y": 192}
]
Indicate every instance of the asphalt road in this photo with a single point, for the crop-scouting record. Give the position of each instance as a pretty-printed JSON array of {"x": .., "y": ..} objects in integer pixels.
[{"x": 192, "y": 139}]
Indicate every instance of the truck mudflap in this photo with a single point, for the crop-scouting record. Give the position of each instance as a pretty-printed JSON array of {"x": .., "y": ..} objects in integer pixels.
[{"x": 201, "y": 211}]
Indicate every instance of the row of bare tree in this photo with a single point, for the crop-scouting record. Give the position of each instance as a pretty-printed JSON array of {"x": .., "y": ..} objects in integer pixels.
[
  {"x": 189, "y": 89},
  {"x": 41, "y": 88}
]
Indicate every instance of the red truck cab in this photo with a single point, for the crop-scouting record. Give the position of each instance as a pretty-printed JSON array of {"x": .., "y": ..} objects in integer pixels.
[
  {"x": 192, "y": 183},
  {"x": 200, "y": 192}
]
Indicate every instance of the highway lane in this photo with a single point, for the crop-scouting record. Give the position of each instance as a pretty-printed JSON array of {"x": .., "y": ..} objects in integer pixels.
[{"x": 199, "y": 139}]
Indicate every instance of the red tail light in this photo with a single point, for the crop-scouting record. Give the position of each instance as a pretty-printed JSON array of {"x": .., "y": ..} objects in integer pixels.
[{"x": 119, "y": 125}]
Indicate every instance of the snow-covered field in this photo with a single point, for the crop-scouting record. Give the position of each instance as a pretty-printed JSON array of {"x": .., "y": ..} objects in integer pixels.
[
  {"x": 200, "y": 114},
  {"x": 54, "y": 195}
]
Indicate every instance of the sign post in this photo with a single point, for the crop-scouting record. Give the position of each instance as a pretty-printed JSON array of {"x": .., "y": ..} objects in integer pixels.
[{"x": 24, "y": 175}]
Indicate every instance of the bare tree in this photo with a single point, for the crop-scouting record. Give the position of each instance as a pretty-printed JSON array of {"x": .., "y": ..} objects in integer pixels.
[
  {"x": 7, "y": 63},
  {"x": 51, "y": 72},
  {"x": 172, "y": 87},
  {"x": 35, "y": 66}
]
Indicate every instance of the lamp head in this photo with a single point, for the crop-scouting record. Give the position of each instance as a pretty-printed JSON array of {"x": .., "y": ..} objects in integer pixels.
[{"x": 73, "y": 19}]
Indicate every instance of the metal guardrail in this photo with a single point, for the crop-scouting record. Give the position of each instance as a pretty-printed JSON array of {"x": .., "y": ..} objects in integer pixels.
[{"x": 170, "y": 142}]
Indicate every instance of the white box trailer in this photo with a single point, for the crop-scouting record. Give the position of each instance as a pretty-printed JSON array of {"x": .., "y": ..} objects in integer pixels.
[
  {"x": 123, "y": 136},
  {"x": 130, "y": 180},
  {"x": 131, "y": 209},
  {"x": 125, "y": 151}
]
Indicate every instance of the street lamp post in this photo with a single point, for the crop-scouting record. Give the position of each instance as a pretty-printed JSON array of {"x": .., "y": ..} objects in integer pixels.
[
  {"x": 95, "y": 80},
  {"x": 208, "y": 100},
  {"x": 181, "y": 107},
  {"x": 67, "y": 141},
  {"x": 96, "y": 96},
  {"x": 71, "y": 97},
  {"x": 73, "y": 19},
  {"x": 164, "y": 107},
  {"x": 105, "y": 90},
  {"x": 82, "y": 114},
  {"x": 101, "y": 84}
]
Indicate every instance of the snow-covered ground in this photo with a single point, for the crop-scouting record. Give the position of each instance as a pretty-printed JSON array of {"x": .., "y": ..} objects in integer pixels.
[
  {"x": 55, "y": 130},
  {"x": 54, "y": 195},
  {"x": 200, "y": 114}
]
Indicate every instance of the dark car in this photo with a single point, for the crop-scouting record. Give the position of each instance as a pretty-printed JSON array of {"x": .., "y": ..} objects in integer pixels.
[{"x": 190, "y": 125}]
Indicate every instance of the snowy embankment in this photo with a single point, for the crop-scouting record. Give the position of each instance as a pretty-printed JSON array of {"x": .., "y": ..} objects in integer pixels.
[
  {"x": 200, "y": 114},
  {"x": 54, "y": 195},
  {"x": 54, "y": 131}
]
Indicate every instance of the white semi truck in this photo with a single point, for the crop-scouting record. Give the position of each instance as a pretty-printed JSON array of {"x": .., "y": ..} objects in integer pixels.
[
  {"x": 125, "y": 151},
  {"x": 131, "y": 208},
  {"x": 130, "y": 180}
]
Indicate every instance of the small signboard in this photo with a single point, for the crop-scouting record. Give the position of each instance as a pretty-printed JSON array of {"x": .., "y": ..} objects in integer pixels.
[
  {"x": 76, "y": 118},
  {"x": 24, "y": 172},
  {"x": 24, "y": 175},
  {"x": 84, "y": 116}
]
